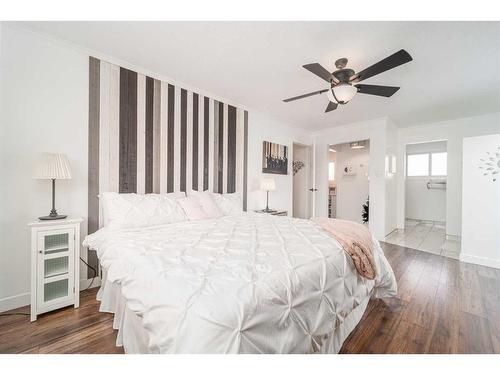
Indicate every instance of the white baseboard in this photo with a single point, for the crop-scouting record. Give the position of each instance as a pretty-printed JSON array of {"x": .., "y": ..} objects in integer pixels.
[
  {"x": 482, "y": 261},
  {"x": 23, "y": 299},
  {"x": 13, "y": 302}
]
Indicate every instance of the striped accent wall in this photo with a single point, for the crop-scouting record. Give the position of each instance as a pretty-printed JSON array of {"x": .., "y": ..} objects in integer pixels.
[{"x": 149, "y": 136}]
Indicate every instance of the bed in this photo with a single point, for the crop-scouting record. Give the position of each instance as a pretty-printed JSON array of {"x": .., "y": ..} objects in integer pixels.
[{"x": 240, "y": 283}]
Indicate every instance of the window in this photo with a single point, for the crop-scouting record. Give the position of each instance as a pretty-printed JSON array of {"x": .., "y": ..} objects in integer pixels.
[
  {"x": 418, "y": 165},
  {"x": 426, "y": 164},
  {"x": 438, "y": 164},
  {"x": 331, "y": 171}
]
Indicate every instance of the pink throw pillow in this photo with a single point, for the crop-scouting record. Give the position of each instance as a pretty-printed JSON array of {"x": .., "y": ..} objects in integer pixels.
[
  {"x": 208, "y": 204},
  {"x": 192, "y": 209}
]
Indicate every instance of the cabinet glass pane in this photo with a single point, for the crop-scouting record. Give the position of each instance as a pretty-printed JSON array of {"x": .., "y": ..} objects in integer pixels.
[
  {"x": 54, "y": 243},
  {"x": 56, "y": 289},
  {"x": 56, "y": 266}
]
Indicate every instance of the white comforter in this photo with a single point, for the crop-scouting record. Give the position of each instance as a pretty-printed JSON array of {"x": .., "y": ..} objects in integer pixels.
[{"x": 240, "y": 284}]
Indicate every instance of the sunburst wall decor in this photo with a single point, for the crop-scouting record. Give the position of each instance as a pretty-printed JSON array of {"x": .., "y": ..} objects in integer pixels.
[{"x": 490, "y": 165}]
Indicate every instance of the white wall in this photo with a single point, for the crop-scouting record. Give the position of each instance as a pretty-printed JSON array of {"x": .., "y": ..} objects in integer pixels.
[
  {"x": 422, "y": 203},
  {"x": 391, "y": 139},
  {"x": 352, "y": 191},
  {"x": 263, "y": 128},
  {"x": 480, "y": 202},
  {"x": 453, "y": 131},
  {"x": 417, "y": 148},
  {"x": 375, "y": 131},
  {"x": 44, "y": 107}
]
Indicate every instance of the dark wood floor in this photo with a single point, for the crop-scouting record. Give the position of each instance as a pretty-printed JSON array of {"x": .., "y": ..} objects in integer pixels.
[{"x": 443, "y": 306}]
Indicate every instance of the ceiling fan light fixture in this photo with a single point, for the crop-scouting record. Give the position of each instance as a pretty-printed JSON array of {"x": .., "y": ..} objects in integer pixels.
[
  {"x": 342, "y": 93},
  {"x": 343, "y": 83}
]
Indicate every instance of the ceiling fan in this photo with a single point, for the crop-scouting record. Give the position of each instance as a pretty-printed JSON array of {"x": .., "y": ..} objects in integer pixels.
[{"x": 344, "y": 81}]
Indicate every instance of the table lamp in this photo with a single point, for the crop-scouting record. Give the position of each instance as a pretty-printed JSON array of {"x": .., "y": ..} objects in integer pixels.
[
  {"x": 268, "y": 184},
  {"x": 53, "y": 167}
]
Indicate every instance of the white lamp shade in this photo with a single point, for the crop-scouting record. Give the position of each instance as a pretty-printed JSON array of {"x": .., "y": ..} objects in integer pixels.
[
  {"x": 53, "y": 166},
  {"x": 344, "y": 92},
  {"x": 268, "y": 184}
]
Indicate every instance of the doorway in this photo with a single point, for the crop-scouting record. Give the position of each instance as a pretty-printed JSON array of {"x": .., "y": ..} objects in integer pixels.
[
  {"x": 348, "y": 185},
  {"x": 302, "y": 177},
  {"x": 425, "y": 200}
]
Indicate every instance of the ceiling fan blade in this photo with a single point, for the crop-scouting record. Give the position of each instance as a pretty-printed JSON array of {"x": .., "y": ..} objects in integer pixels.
[
  {"x": 305, "y": 95},
  {"x": 396, "y": 59},
  {"x": 386, "y": 91},
  {"x": 321, "y": 72},
  {"x": 331, "y": 106}
]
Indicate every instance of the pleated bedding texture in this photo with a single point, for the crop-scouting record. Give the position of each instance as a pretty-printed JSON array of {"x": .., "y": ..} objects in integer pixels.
[{"x": 247, "y": 283}]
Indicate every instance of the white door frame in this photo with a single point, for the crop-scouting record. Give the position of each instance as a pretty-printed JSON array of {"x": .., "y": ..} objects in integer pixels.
[{"x": 404, "y": 165}]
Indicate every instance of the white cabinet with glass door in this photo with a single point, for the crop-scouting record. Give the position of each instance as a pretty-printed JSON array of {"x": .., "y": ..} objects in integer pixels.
[{"x": 55, "y": 255}]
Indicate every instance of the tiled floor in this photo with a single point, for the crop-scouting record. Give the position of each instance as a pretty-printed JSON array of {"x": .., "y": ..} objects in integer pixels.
[{"x": 425, "y": 236}]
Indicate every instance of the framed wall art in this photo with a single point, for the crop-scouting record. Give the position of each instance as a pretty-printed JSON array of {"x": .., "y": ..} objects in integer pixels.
[{"x": 274, "y": 158}]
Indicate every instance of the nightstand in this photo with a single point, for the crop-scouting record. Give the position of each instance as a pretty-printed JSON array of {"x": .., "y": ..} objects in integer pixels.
[
  {"x": 55, "y": 271},
  {"x": 274, "y": 213}
]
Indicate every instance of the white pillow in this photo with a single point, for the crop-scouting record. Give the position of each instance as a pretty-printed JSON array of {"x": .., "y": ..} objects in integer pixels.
[
  {"x": 140, "y": 210},
  {"x": 207, "y": 203},
  {"x": 229, "y": 204}
]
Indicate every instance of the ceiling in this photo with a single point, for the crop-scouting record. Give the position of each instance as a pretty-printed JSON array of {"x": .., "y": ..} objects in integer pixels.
[{"x": 455, "y": 70}]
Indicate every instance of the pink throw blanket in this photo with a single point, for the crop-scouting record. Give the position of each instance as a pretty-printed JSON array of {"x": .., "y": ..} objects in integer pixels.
[{"x": 356, "y": 241}]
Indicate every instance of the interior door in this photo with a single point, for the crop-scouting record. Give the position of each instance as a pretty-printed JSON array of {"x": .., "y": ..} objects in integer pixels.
[
  {"x": 312, "y": 188},
  {"x": 303, "y": 189}
]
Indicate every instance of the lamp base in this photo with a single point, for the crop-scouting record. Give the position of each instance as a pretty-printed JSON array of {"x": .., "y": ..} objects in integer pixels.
[
  {"x": 53, "y": 217},
  {"x": 269, "y": 210}
]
